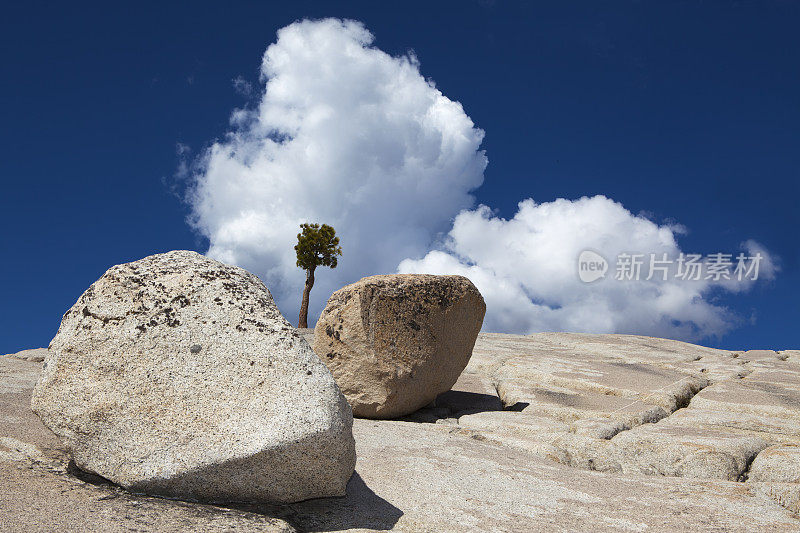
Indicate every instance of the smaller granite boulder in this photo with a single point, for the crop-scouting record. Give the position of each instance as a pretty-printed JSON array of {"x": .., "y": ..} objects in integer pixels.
[{"x": 395, "y": 342}]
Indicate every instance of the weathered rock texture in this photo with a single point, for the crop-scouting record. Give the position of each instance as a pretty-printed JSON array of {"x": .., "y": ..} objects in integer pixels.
[
  {"x": 442, "y": 477},
  {"x": 779, "y": 464},
  {"x": 177, "y": 375},
  {"x": 395, "y": 342},
  {"x": 641, "y": 405},
  {"x": 35, "y": 355}
]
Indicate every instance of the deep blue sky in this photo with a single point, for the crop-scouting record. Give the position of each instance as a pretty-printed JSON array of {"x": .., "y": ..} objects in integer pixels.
[{"x": 687, "y": 111}]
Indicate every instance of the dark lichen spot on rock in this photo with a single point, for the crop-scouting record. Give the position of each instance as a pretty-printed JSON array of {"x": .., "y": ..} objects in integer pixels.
[
  {"x": 181, "y": 300},
  {"x": 195, "y": 348}
]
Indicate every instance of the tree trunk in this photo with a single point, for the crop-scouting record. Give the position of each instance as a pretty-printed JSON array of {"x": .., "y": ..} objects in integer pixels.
[{"x": 303, "y": 322}]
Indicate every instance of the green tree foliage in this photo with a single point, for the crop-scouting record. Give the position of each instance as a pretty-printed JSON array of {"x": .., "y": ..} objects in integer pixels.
[{"x": 316, "y": 246}]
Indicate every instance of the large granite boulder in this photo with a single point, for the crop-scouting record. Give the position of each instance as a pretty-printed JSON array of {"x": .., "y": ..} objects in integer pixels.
[
  {"x": 395, "y": 342},
  {"x": 177, "y": 375}
]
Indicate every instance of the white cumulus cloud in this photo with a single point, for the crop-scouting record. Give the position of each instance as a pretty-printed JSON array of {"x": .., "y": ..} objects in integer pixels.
[
  {"x": 344, "y": 134},
  {"x": 527, "y": 270},
  {"x": 348, "y": 135}
]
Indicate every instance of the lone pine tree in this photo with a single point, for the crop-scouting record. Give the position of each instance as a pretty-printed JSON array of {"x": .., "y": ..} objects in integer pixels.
[{"x": 316, "y": 246}]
